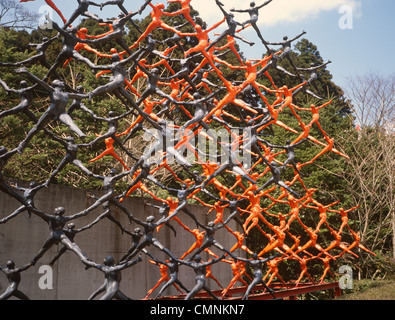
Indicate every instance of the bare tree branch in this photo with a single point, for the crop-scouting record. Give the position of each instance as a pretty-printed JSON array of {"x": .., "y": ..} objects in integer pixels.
[{"x": 14, "y": 15}]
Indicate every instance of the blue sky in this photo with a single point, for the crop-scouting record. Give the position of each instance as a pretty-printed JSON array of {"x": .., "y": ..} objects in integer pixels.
[{"x": 367, "y": 46}]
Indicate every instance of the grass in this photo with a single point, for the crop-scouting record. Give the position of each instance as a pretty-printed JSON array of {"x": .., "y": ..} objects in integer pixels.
[{"x": 370, "y": 290}]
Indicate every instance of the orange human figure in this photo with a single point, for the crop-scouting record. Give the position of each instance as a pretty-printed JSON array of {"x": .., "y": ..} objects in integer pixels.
[
  {"x": 164, "y": 62},
  {"x": 199, "y": 235},
  {"x": 294, "y": 204},
  {"x": 164, "y": 164},
  {"x": 104, "y": 34},
  {"x": 231, "y": 45},
  {"x": 172, "y": 206},
  {"x": 273, "y": 270},
  {"x": 53, "y": 6},
  {"x": 254, "y": 211},
  {"x": 218, "y": 209},
  {"x": 326, "y": 261},
  {"x": 138, "y": 185},
  {"x": 156, "y": 22},
  {"x": 209, "y": 274},
  {"x": 328, "y": 147},
  {"x": 220, "y": 113},
  {"x": 110, "y": 151},
  {"x": 230, "y": 97},
  {"x": 338, "y": 243},
  {"x": 357, "y": 243},
  {"x": 344, "y": 217},
  {"x": 251, "y": 72},
  {"x": 315, "y": 114},
  {"x": 203, "y": 38},
  {"x": 277, "y": 241},
  {"x": 209, "y": 168},
  {"x": 303, "y": 267},
  {"x": 238, "y": 270},
  {"x": 149, "y": 106},
  {"x": 164, "y": 277},
  {"x": 297, "y": 176},
  {"x": 312, "y": 242},
  {"x": 211, "y": 57},
  {"x": 322, "y": 210},
  {"x": 139, "y": 73},
  {"x": 185, "y": 10},
  {"x": 284, "y": 96},
  {"x": 240, "y": 241}
]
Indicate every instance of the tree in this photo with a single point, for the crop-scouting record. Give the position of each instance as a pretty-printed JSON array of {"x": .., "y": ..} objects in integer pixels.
[
  {"x": 14, "y": 15},
  {"x": 371, "y": 147}
]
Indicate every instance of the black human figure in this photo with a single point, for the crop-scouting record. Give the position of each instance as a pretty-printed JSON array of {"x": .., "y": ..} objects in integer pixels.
[
  {"x": 257, "y": 265},
  {"x": 82, "y": 9},
  {"x": 172, "y": 265},
  {"x": 273, "y": 64},
  {"x": 28, "y": 194},
  {"x": 175, "y": 39},
  {"x": 276, "y": 178},
  {"x": 149, "y": 49},
  {"x": 185, "y": 70},
  {"x": 14, "y": 278},
  {"x": 211, "y": 229},
  {"x": 200, "y": 269},
  {"x": 41, "y": 57},
  {"x": 290, "y": 151},
  {"x": 57, "y": 108},
  {"x": 152, "y": 84},
  {"x": 109, "y": 183},
  {"x": 107, "y": 214},
  {"x": 26, "y": 96},
  {"x": 78, "y": 104},
  {"x": 148, "y": 239},
  {"x": 182, "y": 196},
  {"x": 198, "y": 78},
  {"x": 200, "y": 106},
  {"x": 70, "y": 233},
  {"x": 287, "y": 49},
  {"x": 231, "y": 31},
  {"x": 253, "y": 11},
  {"x": 4, "y": 186},
  {"x": 69, "y": 41},
  {"x": 163, "y": 213},
  {"x": 117, "y": 34},
  {"x": 112, "y": 274},
  {"x": 56, "y": 224},
  {"x": 119, "y": 3},
  {"x": 69, "y": 158},
  {"x": 136, "y": 235},
  {"x": 312, "y": 79},
  {"x": 119, "y": 73}
]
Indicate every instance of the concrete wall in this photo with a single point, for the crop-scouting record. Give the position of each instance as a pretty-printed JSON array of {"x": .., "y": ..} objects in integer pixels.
[{"x": 22, "y": 237}]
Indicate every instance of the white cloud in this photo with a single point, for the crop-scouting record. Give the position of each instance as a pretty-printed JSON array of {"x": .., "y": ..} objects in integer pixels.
[{"x": 278, "y": 11}]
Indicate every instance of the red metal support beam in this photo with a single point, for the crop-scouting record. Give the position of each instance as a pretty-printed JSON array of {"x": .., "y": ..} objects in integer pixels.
[{"x": 282, "y": 291}]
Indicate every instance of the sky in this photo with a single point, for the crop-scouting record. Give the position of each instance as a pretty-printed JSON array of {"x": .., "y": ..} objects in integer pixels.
[{"x": 356, "y": 35}]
